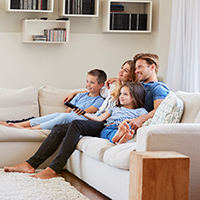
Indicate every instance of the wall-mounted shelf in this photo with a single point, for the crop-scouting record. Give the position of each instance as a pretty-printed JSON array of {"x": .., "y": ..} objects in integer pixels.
[
  {"x": 79, "y": 8},
  {"x": 29, "y": 5},
  {"x": 126, "y": 16},
  {"x": 32, "y": 27}
]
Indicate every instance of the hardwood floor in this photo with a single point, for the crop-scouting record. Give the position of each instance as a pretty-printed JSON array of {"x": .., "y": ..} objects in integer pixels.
[{"x": 83, "y": 187}]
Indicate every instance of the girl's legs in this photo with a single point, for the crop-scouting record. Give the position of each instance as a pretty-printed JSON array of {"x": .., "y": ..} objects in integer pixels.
[
  {"x": 123, "y": 134},
  {"x": 109, "y": 131}
]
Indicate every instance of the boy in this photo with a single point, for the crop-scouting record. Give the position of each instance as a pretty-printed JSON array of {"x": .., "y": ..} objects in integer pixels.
[{"x": 89, "y": 101}]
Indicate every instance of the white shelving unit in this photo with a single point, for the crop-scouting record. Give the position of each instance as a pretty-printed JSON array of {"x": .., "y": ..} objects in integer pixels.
[
  {"x": 130, "y": 7},
  {"x": 8, "y": 7},
  {"x": 36, "y": 27},
  {"x": 62, "y": 9}
]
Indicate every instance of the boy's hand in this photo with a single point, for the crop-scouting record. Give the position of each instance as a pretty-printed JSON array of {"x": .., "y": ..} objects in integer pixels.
[
  {"x": 78, "y": 111},
  {"x": 110, "y": 81}
]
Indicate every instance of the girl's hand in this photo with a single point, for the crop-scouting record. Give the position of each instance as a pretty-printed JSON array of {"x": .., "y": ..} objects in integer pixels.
[{"x": 78, "y": 111}]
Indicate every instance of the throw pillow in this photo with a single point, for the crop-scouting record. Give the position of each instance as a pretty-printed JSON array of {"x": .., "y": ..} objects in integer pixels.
[{"x": 169, "y": 111}]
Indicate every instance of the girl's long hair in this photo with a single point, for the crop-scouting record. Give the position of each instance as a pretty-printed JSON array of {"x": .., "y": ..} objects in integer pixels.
[{"x": 137, "y": 92}]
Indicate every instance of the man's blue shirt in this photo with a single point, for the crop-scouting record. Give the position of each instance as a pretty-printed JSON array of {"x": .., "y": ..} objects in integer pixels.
[{"x": 154, "y": 91}]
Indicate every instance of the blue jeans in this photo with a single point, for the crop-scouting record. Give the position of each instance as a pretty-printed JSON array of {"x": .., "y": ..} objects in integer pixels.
[{"x": 48, "y": 121}]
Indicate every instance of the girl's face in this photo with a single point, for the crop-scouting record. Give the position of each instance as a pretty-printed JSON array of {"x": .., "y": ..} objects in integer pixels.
[
  {"x": 124, "y": 74},
  {"x": 125, "y": 98}
]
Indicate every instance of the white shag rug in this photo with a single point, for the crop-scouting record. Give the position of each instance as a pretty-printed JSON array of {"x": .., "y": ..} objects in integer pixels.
[{"x": 20, "y": 186}]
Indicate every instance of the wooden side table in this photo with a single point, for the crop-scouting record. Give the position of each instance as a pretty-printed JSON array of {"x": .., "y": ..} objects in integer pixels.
[{"x": 159, "y": 175}]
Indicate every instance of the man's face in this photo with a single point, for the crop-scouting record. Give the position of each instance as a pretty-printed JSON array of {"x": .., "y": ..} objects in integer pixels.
[{"x": 143, "y": 70}]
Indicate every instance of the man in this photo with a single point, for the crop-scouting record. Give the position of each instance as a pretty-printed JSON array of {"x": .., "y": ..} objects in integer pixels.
[{"x": 146, "y": 69}]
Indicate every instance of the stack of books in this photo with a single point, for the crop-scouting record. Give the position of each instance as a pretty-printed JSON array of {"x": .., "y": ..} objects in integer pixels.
[
  {"x": 116, "y": 8},
  {"x": 128, "y": 21},
  {"x": 31, "y": 4},
  {"x": 56, "y": 34},
  {"x": 80, "y": 7},
  {"x": 39, "y": 38}
]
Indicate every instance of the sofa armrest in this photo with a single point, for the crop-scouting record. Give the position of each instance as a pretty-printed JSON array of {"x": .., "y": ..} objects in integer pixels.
[
  {"x": 183, "y": 138},
  {"x": 169, "y": 137}
]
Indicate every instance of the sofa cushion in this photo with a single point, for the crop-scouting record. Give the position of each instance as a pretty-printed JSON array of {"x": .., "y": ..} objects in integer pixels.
[
  {"x": 118, "y": 155},
  {"x": 9, "y": 134},
  {"x": 16, "y": 104},
  {"x": 169, "y": 111},
  {"x": 51, "y": 99},
  {"x": 94, "y": 147},
  {"x": 191, "y": 106}
]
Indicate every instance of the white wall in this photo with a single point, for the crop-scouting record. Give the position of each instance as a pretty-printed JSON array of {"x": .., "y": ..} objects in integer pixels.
[{"x": 66, "y": 65}]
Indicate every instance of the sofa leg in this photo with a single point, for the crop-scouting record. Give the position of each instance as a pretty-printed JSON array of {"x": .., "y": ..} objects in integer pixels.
[{"x": 159, "y": 175}]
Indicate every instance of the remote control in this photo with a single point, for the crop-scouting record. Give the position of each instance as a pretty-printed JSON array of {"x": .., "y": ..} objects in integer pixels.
[{"x": 67, "y": 103}]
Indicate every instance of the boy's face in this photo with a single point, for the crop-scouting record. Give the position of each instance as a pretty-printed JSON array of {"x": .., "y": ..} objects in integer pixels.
[{"x": 92, "y": 84}]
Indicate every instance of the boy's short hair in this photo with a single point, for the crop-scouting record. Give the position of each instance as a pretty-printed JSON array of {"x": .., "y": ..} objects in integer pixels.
[
  {"x": 101, "y": 75},
  {"x": 150, "y": 59}
]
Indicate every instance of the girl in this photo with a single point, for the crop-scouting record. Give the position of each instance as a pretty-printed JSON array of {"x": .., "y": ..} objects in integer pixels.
[{"x": 129, "y": 105}]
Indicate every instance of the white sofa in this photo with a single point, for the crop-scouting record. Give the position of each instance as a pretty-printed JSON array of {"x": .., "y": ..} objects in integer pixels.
[{"x": 103, "y": 165}]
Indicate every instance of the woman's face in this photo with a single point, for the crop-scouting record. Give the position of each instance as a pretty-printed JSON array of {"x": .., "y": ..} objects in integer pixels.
[{"x": 124, "y": 74}]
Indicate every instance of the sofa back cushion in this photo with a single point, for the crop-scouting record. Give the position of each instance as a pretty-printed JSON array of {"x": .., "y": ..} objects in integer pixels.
[
  {"x": 169, "y": 111},
  {"x": 16, "y": 104},
  {"x": 51, "y": 99},
  {"x": 191, "y": 106}
]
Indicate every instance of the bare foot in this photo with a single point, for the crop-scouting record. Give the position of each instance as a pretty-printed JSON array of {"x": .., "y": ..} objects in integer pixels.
[
  {"x": 14, "y": 125},
  {"x": 126, "y": 137},
  {"x": 24, "y": 167},
  {"x": 46, "y": 174},
  {"x": 3, "y": 123},
  {"x": 122, "y": 129}
]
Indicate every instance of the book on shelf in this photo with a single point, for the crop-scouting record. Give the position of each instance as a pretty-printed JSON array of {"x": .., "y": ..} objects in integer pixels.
[
  {"x": 39, "y": 37},
  {"x": 128, "y": 21},
  {"x": 31, "y": 4},
  {"x": 80, "y": 7},
  {"x": 56, "y": 34},
  {"x": 116, "y": 8}
]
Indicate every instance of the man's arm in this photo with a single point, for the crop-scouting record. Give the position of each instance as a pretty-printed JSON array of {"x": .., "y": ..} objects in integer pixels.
[{"x": 137, "y": 122}]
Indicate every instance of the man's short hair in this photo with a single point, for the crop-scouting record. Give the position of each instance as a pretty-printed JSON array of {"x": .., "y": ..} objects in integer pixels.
[
  {"x": 150, "y": 58},
  {"x": 101, "y": 75}
]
